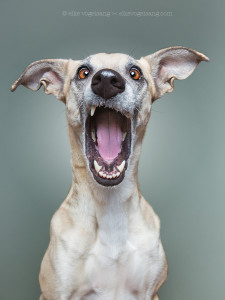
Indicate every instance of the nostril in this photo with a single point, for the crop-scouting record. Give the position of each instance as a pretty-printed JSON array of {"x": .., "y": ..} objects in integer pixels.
[
  {"x": 118, "y": 83},
  {"x": 96, "y": 80},
  {"x": 114, "y": 80}
]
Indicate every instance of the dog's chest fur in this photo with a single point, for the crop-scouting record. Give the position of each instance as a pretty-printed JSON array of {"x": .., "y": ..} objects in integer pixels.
[{"x": 124, "y": 260}]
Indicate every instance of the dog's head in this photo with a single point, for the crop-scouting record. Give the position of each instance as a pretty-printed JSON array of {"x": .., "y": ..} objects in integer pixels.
[{"x": 108, "y": 99}]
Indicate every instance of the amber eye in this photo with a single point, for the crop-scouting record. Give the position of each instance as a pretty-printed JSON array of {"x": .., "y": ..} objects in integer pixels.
[
  {"x": 83, "y": 73},
  {"x": 135, "y": 73}
]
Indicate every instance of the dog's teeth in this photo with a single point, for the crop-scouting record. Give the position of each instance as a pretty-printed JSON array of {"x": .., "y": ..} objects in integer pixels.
[
  {"x": 124, "y": 135},
  {"x": 97, "y": 167},
  {"x": 121, "y": 167},
  {"x": 93, "y": 136},
  {"x": 93, "y": 110},
  {"x": 109, "y": 175}
]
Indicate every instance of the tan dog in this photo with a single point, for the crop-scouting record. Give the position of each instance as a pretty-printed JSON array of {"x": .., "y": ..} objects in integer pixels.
[{"x": 105, "y": 237}]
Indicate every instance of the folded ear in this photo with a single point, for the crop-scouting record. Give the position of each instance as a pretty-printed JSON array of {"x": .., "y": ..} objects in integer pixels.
[
  {"x": 51, "y": 73},
  {"x": 172, "y": 63}
]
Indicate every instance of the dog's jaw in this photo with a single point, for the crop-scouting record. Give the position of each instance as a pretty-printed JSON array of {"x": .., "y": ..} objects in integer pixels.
[
  {"x": 90, "y": 160},
  {"x": 107, "y": 145}
]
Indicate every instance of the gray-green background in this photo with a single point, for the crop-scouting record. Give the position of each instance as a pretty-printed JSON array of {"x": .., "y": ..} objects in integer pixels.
[{"x": 182, "y": 165}]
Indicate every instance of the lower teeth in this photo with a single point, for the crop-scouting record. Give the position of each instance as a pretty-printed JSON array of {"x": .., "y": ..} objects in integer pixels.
[
  {"x": 109, "y": 176},
  {"x": 116, "y": 173}
]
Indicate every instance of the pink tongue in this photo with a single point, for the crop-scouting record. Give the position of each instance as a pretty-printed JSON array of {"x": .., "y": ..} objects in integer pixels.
[{"x": 109, "y": 134}]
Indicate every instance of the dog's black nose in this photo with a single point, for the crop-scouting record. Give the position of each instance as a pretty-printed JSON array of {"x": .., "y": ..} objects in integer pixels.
[{"x": 107, "y": 83}]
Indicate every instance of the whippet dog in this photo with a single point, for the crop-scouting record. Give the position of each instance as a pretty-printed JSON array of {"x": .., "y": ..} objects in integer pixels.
[{"x": 105, "y": 237}]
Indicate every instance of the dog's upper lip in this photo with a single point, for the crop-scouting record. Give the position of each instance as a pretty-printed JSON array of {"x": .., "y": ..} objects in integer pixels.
[{"x": 93, "y": 107}]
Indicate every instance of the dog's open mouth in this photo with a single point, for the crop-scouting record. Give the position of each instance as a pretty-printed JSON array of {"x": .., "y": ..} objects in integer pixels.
[{"x": 108, "y": 145}]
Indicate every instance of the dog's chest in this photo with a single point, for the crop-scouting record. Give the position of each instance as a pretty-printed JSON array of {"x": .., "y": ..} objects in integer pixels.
[
  {"x": 122, "y": 261},
  {"x": 123, "y": 268}
]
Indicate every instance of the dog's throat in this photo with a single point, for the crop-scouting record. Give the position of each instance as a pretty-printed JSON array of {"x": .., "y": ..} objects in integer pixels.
[{"x": 109, "y": 134}]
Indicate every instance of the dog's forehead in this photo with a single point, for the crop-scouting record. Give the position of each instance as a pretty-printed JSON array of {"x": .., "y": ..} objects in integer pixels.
[{"x": 112, "y": 60}]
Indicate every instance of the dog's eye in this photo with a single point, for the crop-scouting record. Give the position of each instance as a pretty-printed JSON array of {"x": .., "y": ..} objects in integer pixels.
[
  {"x": 83, "y": 73},
  {"x": 135, "y": 74}
]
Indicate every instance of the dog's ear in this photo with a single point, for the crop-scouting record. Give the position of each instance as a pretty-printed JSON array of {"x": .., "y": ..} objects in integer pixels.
[
  {"x": 51, "y": 73},
  {"x": 172, "y": 63}
]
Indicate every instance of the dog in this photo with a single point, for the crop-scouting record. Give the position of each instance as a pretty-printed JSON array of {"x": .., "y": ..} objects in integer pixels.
[{"x": 105, "y": 237}]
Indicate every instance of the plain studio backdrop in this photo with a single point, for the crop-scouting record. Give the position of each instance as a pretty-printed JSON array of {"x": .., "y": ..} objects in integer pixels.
[{"x": 181, "y": 171}]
